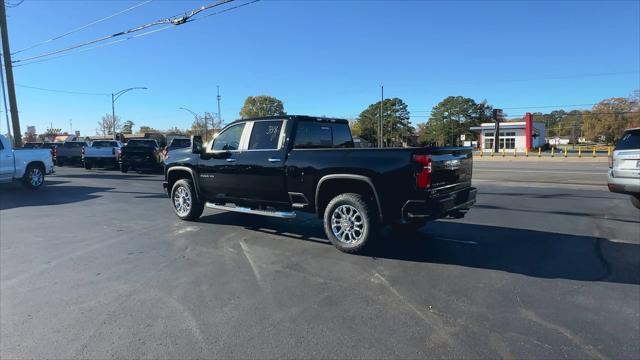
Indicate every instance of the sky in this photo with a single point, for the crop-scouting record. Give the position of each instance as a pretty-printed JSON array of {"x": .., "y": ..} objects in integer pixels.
[{"x": 321, "y": 57}]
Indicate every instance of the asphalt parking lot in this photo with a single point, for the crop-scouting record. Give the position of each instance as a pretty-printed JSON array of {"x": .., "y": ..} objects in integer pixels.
[{"x": 96, "y": 265}]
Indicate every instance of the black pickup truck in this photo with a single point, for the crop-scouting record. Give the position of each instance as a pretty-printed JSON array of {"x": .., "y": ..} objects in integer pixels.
[
  {"x": 140, "y": 154},
  {"x": 277, "y": 165}
]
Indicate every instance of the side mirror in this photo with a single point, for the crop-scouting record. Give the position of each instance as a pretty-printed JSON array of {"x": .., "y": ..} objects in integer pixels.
[{"x": 196, "y": 144}]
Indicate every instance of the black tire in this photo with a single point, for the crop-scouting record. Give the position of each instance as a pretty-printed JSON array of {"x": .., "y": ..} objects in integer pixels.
[
  {"x": 408, "y": 227},
  {"x": 33, "y": 177},
  {"x": 635, "y": 200},
  {"x": 183, "y": 194},
  {"x": 124, "y": 168},
  {"x": 59, "y": 162},
  {"x": 354, "y": 238},
  {"x": 88, "y": 165}
]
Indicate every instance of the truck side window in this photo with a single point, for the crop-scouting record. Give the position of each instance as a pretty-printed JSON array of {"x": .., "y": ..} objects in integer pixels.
[
  {"x": 229, "y": 139},
  {"x": 265, "y": 135},
  {"x": 342, "y": 136},
  {"x": 313, "y": 135}
]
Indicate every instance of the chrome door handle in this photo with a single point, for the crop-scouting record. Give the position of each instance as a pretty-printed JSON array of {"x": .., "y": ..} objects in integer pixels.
[
  {"x": 231, "y": 160},
  {"x": 273, "y": 160}
]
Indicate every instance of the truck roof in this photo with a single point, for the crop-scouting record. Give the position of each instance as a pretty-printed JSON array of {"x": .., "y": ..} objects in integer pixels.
[{"x": 295, "y": 118}]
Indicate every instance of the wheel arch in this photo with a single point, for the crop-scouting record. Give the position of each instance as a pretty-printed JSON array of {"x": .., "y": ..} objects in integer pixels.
[
  {"x": 334, "y": 184},
  {"x": 176, "y": 173},
  {"x": 36, "y": 163}
]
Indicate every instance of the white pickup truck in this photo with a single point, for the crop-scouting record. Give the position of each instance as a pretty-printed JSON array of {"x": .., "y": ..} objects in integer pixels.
[
  {"x": 101, "y": 153},
  {"x": 26, "y": 165}
]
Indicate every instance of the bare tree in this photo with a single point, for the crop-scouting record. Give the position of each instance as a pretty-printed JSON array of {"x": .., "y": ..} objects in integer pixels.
[{"x": 108, "y": 124}]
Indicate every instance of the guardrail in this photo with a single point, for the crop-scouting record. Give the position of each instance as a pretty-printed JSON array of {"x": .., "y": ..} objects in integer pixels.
[{"x": 577, "y": 152}]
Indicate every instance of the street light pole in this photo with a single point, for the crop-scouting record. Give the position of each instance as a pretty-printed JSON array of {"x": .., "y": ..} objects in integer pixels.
[
  {"x": 114, "y": 97},
  {"x": 197, "y": 118}
]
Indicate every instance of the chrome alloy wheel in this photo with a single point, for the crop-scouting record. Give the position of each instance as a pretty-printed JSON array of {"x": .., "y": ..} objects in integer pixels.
[
  {"x": 182, "y": 201},
  {"x": 36, "y": 177},
  {"x": 347, "y": 224}
]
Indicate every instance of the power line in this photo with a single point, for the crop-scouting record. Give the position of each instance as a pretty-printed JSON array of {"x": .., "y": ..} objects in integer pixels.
[
  {"x": 175, "y": 20},
  {"x": 131, "y": 37},
  {"x": 61, "y": 91},
  {"x": 82, "y": 27},
  {"x": 95, "y": 47}
]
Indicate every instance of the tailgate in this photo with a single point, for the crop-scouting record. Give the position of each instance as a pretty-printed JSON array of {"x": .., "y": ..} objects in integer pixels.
[
  {"x": 626, "y": 163},
  {"x": 137, "y": 153},
  {"x": 451, "y": 168}
]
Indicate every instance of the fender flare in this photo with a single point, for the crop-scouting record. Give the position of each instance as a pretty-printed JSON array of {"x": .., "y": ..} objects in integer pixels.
[
  {"x": 362, "y": 178},
  {"x": 193, "y": 177}
]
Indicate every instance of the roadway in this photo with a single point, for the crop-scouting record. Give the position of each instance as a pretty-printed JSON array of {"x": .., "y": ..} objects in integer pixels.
[{"x": 96, "y": 265}]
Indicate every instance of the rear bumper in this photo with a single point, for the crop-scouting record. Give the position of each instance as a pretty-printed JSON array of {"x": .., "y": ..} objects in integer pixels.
[
  {"x": 441, "y": 206},
  {"x": 623, "y": 185}
]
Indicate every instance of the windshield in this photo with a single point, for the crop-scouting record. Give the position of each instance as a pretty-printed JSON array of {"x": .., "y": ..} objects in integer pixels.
[
  {"x": 104, "y": 144},
  {"x": 180, "y": 143}
]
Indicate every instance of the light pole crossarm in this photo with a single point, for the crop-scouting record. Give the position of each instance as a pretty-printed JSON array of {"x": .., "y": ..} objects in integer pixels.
[{"x": 116, "y": 95}]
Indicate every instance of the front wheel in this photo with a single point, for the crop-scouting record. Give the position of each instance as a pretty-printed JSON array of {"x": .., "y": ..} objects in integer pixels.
[
  {"x": 185, "y": 200},
  {"x": 350, "y": 223},
  {"x": 635, "y": 200},
  {"x": 33, "y": 177}
]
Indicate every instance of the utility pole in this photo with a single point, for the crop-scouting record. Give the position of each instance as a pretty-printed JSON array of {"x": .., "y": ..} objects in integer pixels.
[
  {"x": 380, "y": 142},
  {"x": 4, "y": 99},
  {"x": 6, "y": 53},
  {"x": 219, "y": 114}
]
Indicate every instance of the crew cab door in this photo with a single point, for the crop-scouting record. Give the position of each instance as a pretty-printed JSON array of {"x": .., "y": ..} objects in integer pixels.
[
  {"x": 6, "y": 161},
  {"x": 217, "y": 169},
  {"x": 261, "y": 168}
]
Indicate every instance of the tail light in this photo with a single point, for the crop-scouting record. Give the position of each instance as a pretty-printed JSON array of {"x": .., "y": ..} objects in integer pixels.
[
  {"x": 610, "y": 162},
  {"x": 82, "y": 152},
  {"x": 118, "y": 154},
  {"x": 423, "y": 177}
]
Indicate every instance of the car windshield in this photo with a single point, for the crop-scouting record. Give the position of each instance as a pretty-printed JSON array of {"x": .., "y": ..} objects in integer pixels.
[
  {"x": 180, "y": 143},
  {"x": 629, "y": 141},
  {"x": 104, "y": 144}
]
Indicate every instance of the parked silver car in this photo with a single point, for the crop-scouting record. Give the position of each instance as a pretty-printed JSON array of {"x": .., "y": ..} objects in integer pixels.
[{"x": 624, "y": 166}]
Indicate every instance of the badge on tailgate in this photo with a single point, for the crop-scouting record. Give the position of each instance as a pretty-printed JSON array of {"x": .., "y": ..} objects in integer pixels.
[{"x": 452, "y": 164}]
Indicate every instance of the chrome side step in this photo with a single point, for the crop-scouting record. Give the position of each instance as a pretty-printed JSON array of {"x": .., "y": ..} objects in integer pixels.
[{"x": 278, "y": 214}]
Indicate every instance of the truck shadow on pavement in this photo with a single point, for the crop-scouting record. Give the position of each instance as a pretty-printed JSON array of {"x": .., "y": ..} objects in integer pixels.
[
  {"x": 15, "y": 196},
  {"x": 528, "y": 252}
]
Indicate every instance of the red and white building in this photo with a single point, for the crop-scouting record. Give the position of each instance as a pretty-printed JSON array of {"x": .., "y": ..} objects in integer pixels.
[{"x": 518, "y": 135}]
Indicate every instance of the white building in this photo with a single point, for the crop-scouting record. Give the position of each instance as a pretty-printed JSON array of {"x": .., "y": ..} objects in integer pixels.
[{"x": 513, "y": 135}]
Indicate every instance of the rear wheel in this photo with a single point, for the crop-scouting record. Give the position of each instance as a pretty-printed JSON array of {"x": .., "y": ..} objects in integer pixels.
[
  {"x": 350, "y": 223},
  {"x": 88, "y": 165},
  {"x": 124, "y": 168},
  {"x": 635, "y": 200},
  {"x": 185, "y": 200},
  {"x": 33, "y": 177},
  {"x": 59, "y": 162}
]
